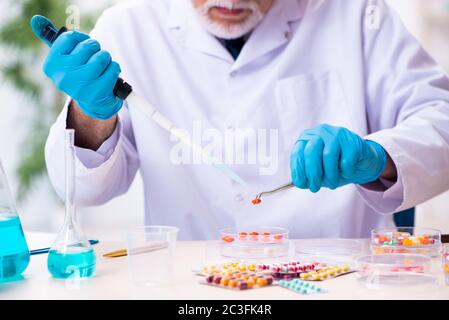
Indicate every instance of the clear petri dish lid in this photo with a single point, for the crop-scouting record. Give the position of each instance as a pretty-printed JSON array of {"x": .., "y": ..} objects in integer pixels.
[
  {"x": 254, "y": 243},
  {"x": 395, "y": 270},
  {"x": 329, "y": 250}
]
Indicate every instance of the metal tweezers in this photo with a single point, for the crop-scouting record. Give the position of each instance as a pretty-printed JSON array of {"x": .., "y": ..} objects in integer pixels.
[{"x": 280, "y": 189}]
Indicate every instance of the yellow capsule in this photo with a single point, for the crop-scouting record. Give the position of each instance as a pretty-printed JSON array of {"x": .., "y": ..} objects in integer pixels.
[
  {"x": 332, "y": 272},
  {"x": 345, "y": 268},
  {"x": 338, "y": 269},
  {"x": 242, "y": 268},
  {"x": 251, "y": 267},
  {"x": 304, "y": 275},
  {"x": 324, "y": 275},
  {"x": 316, "y": 277}
]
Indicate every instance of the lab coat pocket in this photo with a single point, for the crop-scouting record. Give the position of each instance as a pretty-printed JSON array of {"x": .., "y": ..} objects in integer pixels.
[{"x": 307, "y": 100}]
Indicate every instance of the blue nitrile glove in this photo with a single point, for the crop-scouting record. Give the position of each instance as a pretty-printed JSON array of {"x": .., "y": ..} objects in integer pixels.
[
  {"x": 78, "y": 67},
  {"x": 332, "y": 157}
]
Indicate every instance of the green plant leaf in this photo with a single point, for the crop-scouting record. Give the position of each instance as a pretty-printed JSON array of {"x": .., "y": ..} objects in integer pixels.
[{"x": 17, "y": 36}]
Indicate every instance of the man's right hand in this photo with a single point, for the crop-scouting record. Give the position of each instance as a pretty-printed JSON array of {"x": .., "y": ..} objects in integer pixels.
[{"x": 78, "y": 67}]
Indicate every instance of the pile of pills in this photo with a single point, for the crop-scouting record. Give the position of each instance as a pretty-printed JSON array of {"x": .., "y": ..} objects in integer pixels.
[
  {"x": 253, "y": 236},
  {"x": 231, "y": 267},
  {"x": 301, "y": 287},
  {"x": 240, "y": 281},
  {"x": 290, "y": 270},
  {"x": 325, "y": 273},
  {"x": 414, "y": 269},
  {"x": 402, "y": 239},
  {"x": 279, "y": 271},
  {"x": 286, "y": 271}
]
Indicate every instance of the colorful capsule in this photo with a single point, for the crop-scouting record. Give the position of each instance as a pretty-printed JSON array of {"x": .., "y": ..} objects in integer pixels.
[
  {"x": 262, "y": 282},
  {"x": 227, "y": 239}
]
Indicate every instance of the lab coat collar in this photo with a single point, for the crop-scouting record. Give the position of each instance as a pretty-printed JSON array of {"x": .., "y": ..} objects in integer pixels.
[{"x": 273, "y": 32}]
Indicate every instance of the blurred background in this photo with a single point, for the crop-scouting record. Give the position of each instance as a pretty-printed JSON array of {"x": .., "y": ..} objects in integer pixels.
[{"x": 30, "y": 104}]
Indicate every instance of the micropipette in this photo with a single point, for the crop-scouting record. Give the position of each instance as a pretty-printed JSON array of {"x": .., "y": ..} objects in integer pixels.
[{"x": 46, "y": 31}]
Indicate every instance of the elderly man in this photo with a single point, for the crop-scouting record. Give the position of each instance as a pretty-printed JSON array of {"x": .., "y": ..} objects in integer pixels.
[{"x": 335, "y": 96}]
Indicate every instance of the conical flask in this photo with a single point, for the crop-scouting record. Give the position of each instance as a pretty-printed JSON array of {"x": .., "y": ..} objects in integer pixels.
[
  {"x": 71, "y": 255},
  {"x": 14, "y": 253}
]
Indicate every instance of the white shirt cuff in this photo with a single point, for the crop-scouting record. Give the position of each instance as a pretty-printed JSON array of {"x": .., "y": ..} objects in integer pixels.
[
  {"x": 93, "y": 159},
  {"x": 389, "y": 198}
]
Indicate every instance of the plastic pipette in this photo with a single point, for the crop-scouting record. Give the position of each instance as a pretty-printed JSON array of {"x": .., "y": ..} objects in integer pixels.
[{"x": 46, "y": 31}]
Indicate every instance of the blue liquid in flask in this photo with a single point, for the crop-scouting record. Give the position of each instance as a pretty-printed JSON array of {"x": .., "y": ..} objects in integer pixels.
[
  {"x": 76, "y": 262},
  {"x": 14, "y": 253}
]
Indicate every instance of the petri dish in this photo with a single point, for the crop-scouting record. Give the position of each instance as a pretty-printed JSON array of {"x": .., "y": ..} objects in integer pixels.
[
  {"x": 446, "y": 263},
  {"x": 395, "y": 269},
  {"x": 423, "y": 241},
  {"x": 329, "y": 250},
  {"x": 257, "y": 243}
]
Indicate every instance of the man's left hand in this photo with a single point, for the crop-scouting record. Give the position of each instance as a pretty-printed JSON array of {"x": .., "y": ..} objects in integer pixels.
[{"x": 331, "y": 157}]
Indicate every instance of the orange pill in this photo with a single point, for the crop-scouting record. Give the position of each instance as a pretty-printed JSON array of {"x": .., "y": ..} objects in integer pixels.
[
  {"x": 233, "y": 283},
  {"x": 446, "y": 268},
  {"x": 243, "y": 235},
  {"x": 224, "y": 281},
  {"x": 227, "y": 239},
  {"x": 262, "y": 282},
  {"x": 250, "y": 283},
  {"x": 407, "y": 242}
]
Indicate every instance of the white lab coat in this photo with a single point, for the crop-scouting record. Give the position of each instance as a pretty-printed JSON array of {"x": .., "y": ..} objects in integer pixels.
[{"x": 304, "y": 65}]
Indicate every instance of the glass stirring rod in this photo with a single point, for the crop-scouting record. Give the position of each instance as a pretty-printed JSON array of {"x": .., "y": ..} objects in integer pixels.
[{"x": 46, "y": 31}]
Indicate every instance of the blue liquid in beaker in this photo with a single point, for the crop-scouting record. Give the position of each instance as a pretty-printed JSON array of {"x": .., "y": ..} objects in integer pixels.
[
  {"x": 74, "y": 263},
  {"x": 14, "y": 253}
]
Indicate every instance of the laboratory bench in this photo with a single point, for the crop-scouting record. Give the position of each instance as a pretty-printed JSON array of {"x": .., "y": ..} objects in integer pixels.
[{"x": 112, "y": 281}]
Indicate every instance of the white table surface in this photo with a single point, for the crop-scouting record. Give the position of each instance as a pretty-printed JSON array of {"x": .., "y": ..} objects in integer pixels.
[{"x": 112, "y": 281}]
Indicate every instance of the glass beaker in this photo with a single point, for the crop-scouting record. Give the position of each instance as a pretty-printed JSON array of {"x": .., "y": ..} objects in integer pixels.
[
  {"x": 151, "y": 255},
  {"x": 14, "y": 253},
  {"x": 71, "y": 255}
]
